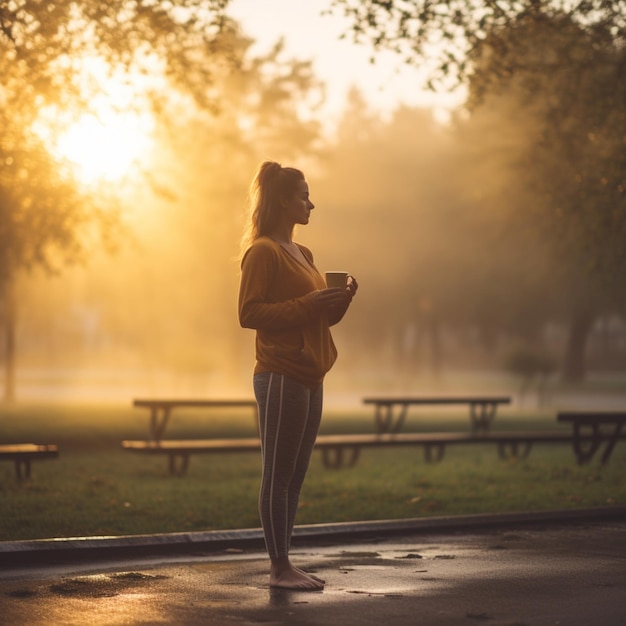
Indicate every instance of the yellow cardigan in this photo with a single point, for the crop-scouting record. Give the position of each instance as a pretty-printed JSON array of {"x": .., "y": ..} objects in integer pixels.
[{"x": 292, "y": 336}]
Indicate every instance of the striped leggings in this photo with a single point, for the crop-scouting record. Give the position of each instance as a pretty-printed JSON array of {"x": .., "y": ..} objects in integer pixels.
[{"x": 289, "y": 419}]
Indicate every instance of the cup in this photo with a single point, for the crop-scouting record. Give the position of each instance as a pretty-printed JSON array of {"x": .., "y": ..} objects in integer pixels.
[{"x": 337, "y": 279}]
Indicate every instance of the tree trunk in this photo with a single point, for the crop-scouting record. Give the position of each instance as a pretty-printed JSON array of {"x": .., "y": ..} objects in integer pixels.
[
  {"x": 436, "y": 352},
  {"x": 8, "y": 330},
  {"x": 575, "y": 366}
]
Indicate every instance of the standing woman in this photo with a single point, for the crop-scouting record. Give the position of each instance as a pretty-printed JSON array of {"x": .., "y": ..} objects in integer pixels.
[{"x": 284, "y": 298}]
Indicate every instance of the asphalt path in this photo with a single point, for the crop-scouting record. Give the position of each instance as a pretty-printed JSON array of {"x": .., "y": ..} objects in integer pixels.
[{"x": 503, "y": 571}]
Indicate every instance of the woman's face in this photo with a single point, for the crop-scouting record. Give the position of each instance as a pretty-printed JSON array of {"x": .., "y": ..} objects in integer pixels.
[{"x": 299, "y": 206}]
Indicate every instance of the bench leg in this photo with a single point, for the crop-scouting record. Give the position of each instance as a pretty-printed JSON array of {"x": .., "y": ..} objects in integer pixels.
[
  {"x": 585, "y": 446},
  {"x": 481, "y": 415},
  {"x": 385, "y": 420},
  {"x": 178, "y": 469},
  {"x": 332, "y": 458},
  {"x": 158, "y": 426},
  {"x": 19, "y": 464},
  {"x": 433, "y": 452},
  {"x": 514, "y": 449},
  {"x": 397, "y": 427},
  {"x": 611, "y": 443}
]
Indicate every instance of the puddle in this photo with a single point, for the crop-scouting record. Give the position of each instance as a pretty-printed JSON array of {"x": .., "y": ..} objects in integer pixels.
[
  {"x": 100, "y": 585},
  {"x": 369, "y": 568},
  {"x": 354, "y": 555}
]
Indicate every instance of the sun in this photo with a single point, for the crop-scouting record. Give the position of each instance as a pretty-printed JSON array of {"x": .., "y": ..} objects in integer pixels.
[
  {"x": 105, "y": 146},
  {"x": 106, "y": 140}
]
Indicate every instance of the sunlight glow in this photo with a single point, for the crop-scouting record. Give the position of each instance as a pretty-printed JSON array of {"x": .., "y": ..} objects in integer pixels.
[
  {"x": 105, "y": 146},
  {"x": 105, "y": 140}
]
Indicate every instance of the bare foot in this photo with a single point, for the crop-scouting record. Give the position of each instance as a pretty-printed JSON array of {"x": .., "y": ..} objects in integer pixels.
[
  {"x": 293, "y": 578},
  {"x": 313, "y": 576}
]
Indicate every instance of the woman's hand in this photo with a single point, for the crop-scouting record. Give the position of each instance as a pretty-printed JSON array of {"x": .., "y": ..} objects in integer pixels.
[
  {"x": 335, "y": 296},
  {"x": 352, "y": 286},
  {"x": 329, "y": 298},
  {"x": 335, "y": 301}
]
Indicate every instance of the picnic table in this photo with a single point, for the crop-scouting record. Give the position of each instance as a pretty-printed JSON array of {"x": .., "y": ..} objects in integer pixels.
[
  {"x": 161, "y": 410},
  {"x": 390, "y": 412},
  {"x": 23, "y": 454},
  {"x": 591, "y": 429},
  {"x": 589, "y": 432}
]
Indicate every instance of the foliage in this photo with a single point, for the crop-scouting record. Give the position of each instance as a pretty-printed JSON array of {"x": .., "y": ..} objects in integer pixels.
[
  {"x": 43, "y": 49},
  {"x": 40, "y": 211},
  {"x": 575, "y": 165},
  {"x": 565, "y": 63},
  {"x": 47, "y": 40},
  {"x": 172, "y": 305},
  {"x": 446, "y": 34},
  {"x": 558, "y": 69},
  {"x": 46, "y": 52},
  {"x": 218, "y": 111},
  {"x": 573, "y": 168}
]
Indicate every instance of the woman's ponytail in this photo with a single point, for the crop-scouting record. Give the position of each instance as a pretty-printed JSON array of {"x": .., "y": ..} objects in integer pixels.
[{"x": 271, "y": 184}]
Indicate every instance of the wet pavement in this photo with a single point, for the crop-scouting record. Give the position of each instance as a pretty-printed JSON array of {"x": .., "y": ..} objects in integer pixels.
[{"x": 542, "y": 573}]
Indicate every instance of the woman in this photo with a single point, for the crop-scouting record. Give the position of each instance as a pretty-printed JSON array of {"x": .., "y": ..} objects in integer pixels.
[{"x": 284, "y": 298}]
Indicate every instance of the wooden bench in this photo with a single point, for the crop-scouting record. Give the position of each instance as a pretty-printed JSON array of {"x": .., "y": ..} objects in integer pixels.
[
  {"x": 344, "y": 450},
  {"x": 179, "y": 450},
  {"x": 590, "y": 429},
  {"x": 510, "y": 444},
  {"x": 161, "y": 410},
  {"x": 390, "y": 412},
  {"x": 22, "y": 454}
]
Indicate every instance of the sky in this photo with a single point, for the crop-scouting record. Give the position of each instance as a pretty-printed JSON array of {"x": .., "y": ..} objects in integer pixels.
[{"x": 341, "y": 64}]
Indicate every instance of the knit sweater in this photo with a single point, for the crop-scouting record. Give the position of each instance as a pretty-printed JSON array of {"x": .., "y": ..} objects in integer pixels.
[{"x": 292, "y": 335}]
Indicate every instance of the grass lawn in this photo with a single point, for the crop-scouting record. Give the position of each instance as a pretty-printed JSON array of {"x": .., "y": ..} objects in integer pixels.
[{"x": 96, "y": 488}]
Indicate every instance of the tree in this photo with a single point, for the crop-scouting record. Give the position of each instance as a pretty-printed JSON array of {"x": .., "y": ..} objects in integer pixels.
[
  {"x": 446, "y": 34},
  {"x": 565, "y": 62},
  {"x": 574, "y": 167},
  {"x": 46, "y": 220}
]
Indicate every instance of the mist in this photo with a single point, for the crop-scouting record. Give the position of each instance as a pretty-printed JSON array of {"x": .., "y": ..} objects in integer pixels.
[{"x": 426, "y": 216}]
